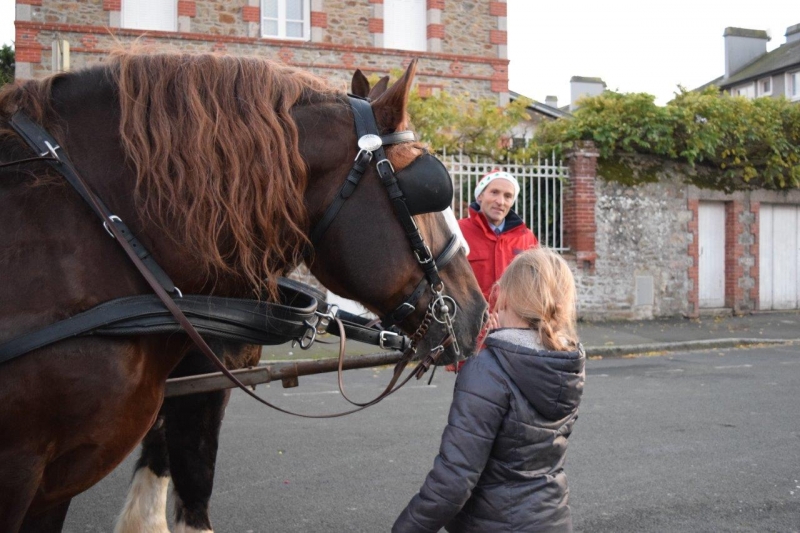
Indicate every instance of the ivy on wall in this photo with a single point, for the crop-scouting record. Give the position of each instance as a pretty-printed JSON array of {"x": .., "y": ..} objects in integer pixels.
[{"x": 729, "y": 143}]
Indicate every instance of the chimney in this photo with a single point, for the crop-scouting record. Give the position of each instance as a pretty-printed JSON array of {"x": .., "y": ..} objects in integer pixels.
[
  {"x": 742, "y": 46},
  {"x": 793, "y": 33},
  {"x": 581, "y": 86}
]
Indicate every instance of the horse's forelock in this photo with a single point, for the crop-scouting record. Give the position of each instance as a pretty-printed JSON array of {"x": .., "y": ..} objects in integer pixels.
[{"x": 216, "y": 153}]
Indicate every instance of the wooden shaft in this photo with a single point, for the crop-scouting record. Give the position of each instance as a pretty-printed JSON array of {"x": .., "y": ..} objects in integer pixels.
[{"x": 267, "y": 372}]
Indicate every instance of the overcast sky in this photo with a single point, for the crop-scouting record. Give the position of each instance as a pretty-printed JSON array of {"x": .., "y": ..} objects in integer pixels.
[{"x": 633, "y": 45}]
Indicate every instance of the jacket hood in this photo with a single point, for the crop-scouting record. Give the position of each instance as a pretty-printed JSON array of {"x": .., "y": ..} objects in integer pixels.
[
  {"x": 551, "y": 381},
  {"x": 512, "y": 218}
]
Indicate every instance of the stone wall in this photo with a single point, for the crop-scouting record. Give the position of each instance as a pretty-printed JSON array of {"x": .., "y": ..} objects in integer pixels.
[
  {"x": 641, "y": 240},
  {"x": 634, "y": 249}
]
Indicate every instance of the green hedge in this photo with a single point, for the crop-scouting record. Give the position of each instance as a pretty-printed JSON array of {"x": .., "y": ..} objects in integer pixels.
[{"x": 733, "y": 143}]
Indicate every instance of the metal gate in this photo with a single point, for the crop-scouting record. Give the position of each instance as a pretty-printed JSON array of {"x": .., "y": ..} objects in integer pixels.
[{"x": 541, "y": 198}]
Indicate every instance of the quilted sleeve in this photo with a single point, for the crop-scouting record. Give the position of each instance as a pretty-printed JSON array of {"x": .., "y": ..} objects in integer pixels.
[{"x": 480, "y": 402}]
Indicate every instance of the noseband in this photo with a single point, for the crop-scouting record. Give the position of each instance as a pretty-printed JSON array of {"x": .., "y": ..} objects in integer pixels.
[{"x": 437, "y": 196}]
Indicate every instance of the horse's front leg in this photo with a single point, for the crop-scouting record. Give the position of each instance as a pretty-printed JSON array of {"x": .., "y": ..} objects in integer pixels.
[
  {"x": 193, "y": 423},
  {"x": 145, "y": 509}
]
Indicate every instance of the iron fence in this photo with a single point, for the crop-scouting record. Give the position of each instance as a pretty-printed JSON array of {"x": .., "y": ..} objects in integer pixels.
[{"x": 541, "y": 199}]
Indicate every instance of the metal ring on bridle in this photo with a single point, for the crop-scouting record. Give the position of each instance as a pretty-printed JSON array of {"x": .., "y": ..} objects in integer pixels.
[{"x": 444, "y": 309}]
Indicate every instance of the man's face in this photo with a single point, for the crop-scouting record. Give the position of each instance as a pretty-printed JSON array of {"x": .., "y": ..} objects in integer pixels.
[{"x": 496, "y": 200}]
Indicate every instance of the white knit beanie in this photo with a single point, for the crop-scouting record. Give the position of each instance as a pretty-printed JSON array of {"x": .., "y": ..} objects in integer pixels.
[{"x": 490, "y": 177}]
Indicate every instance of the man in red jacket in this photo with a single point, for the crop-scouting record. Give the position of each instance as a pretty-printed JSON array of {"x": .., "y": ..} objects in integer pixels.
[{"x": 494, "y": 232}]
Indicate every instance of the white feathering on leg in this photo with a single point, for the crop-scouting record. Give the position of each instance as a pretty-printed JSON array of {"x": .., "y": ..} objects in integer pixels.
[{"x": 145, "y": 508}]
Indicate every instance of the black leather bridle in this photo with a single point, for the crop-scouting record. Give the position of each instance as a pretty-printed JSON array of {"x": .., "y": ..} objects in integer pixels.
[{"x": 441, "y": 308}]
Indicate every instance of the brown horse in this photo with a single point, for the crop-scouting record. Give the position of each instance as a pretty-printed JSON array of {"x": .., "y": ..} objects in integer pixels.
[
  {"x": 220, "y": 166},
  {"x": 182, "y": 445}
]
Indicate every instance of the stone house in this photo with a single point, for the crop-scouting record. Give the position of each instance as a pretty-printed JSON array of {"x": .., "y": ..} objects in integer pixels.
[{"x": 461, "y": 45}]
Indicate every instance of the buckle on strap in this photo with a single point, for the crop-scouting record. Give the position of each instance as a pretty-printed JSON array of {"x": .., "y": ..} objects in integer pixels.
[
  {"x": 428, "y": 255},
  {"x": 112, "y": 218},
  {"x": 382, "y": 338}
]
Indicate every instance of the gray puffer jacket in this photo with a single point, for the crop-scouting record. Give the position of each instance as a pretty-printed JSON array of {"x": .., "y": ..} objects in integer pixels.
[{"x": 500, "y": 463}]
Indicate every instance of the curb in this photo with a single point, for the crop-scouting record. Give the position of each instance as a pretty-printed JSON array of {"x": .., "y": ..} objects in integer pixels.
[{"x": 618, "y": 351}]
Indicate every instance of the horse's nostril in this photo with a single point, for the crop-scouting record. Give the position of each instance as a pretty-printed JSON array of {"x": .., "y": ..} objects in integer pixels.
[{"x": 485, "y": 318}]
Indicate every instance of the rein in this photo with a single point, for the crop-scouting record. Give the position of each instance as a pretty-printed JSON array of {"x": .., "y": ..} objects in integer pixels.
[{"x": 441, "y": 308}]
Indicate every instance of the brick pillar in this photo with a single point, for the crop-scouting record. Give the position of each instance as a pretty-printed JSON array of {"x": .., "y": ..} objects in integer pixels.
[
  {"x": 114, "y": 9},
  {"x": 734, "y": 250},
  {"x": 693, "y": 298},
  {"x": 499, "y": 37},
  {"x": 187, "y": 10},
  {"x": 435, "y": 26},
  {"x": 28, "y": 53},
  {"x": 579, "y": 204},
  {"x": 755, "y": 210},
  {"x": 375, "y": 23},
  {"x": 251, "y": 15},
  {"x": 319, "y": 21}
]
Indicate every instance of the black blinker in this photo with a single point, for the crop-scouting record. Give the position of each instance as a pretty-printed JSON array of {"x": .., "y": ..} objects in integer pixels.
[{"x": 426, "y": 185}]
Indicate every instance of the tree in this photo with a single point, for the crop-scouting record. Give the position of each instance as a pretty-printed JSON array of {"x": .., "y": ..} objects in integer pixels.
[
  {"x": 458, "y": 122},
  {"x": 6, "y": 65},
  {"x": 475, "y": 127}
]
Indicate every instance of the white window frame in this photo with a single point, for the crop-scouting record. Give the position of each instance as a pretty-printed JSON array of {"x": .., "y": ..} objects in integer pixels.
[
  {"x": 748, "y": 91},
  {"x": 391, "y": 40},
  {"x": 758, "y": 86},
  {"x": 282, "y": 22},
  {"x": 174, "y": 5},
  {"x": 793, "y": 85}
]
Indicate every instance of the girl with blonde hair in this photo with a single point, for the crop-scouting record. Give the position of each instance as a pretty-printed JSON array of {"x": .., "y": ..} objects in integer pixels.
[{"x": 501, "y": 459}]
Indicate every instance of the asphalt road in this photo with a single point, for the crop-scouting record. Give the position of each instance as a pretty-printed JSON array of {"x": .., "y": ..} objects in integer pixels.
[{"x": 695, "y": 442}]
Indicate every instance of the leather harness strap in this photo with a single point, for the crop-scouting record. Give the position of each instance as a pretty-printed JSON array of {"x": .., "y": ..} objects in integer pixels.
[
  {"x": 45, "y": 145},
  {"x": 38, "y": 139},
  {"x": 248, "y": 321}
]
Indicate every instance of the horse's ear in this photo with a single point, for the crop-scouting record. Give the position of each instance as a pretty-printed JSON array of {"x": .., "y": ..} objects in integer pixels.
[
  {"x": 360, "y": 84},
  {"x": 390, "y": 107},
  {"x": 379, "y": 88}
]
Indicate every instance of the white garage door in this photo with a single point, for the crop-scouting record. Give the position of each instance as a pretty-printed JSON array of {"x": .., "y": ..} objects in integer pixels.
[
  {"x": 779, "y": 256},
  {"x": 711, "y": 227}
]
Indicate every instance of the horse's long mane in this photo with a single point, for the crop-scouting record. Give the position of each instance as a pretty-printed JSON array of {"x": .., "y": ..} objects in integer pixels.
[{"x": 215, "y": 150}]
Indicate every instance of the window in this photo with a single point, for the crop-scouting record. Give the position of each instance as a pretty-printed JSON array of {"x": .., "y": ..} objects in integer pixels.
[
  {"x": 764, "y": 86},
  {"x": 405, "y": 24},
  {"x": 748, "y": 91},
  {"x": 793, "y": 85},
  {"x": 286, "y": 19},
  {"x": 159, "y": 15}
]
